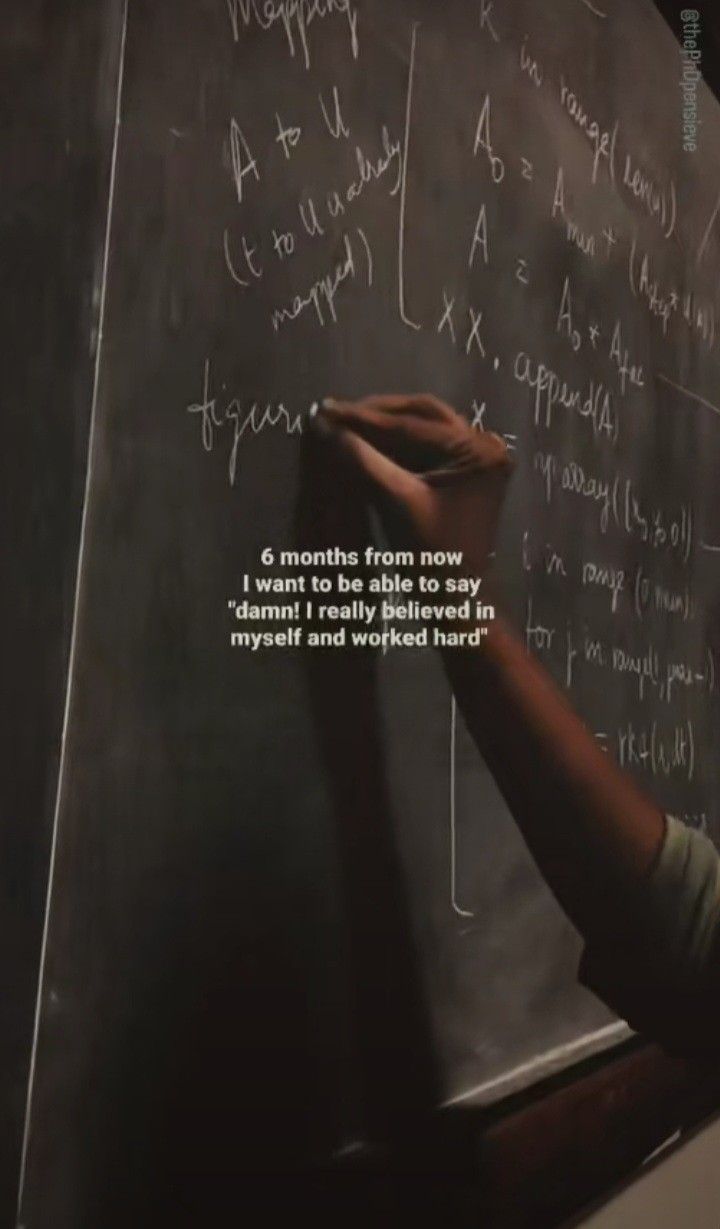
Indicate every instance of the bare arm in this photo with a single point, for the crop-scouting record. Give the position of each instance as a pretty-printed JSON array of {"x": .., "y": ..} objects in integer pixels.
[{"x": 593, "y": 834}]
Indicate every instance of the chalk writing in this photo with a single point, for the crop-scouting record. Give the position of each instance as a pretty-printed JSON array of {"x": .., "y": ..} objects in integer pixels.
[
  {"x": 294, "y": 17},
  {"x": 240, "y": 419}
]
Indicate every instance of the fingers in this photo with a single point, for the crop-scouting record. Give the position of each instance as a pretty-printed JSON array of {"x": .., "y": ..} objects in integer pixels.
[
  {"x": 418, "y": 432},
  {"x": 473, "y": 452},
  {"x": 438, "y": 478},
  {"x": 416, "y": 438}
]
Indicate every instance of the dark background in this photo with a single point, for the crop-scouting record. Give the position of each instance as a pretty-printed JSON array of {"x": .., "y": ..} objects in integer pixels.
[{"x": 57, "y": 92}]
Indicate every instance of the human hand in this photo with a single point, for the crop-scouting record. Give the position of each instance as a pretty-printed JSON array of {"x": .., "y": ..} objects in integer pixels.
[{"x": 438, "y": 483}]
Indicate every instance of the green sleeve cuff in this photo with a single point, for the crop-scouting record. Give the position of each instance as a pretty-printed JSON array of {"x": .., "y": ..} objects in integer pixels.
[
  {"x": 663, "y": 974},
  {"x": 684, "y": 893}
]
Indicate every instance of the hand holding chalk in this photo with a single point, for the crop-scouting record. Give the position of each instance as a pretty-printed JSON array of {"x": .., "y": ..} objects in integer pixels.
[{"x": 427, "y": 467}]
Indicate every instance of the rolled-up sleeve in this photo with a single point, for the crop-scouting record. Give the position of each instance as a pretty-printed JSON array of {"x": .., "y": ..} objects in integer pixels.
[{"x": 662, "y": 973}]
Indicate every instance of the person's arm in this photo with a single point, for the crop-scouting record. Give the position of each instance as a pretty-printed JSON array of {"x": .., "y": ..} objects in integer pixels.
[
  {"x": 598, "y": 840},
  {"x": 595, "y": 836}
]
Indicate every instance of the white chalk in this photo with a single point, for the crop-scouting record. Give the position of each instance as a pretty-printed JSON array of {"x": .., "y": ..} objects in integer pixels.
[{"x": 313, "y": 409}]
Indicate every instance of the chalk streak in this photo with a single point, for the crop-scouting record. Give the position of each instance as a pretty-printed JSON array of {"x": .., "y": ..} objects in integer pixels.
[
  {"x": 453, "y": 813},
  {"x": 687, "y": 392},
  {"x": 554, "y": 1060},
  {"x": 706, "y": 236},
  {"x": 403, "y": 188}
]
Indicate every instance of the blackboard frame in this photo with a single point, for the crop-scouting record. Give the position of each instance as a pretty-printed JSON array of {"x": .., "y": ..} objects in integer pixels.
[
  {"x": 542, "y": 1158},
  {"x": 548, "y": 1156}
]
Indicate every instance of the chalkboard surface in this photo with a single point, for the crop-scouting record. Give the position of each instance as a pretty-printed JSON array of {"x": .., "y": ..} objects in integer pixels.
[{"x": 288, "y": 905}]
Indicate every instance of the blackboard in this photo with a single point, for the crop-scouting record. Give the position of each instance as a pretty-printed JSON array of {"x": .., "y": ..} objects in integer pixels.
[{"x": 288, "y": 907}]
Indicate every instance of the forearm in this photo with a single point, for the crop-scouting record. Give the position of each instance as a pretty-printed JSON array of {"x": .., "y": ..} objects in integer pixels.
[
  {"x": 643, "y": 891},
  {"x": 593, "y": 833}
]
